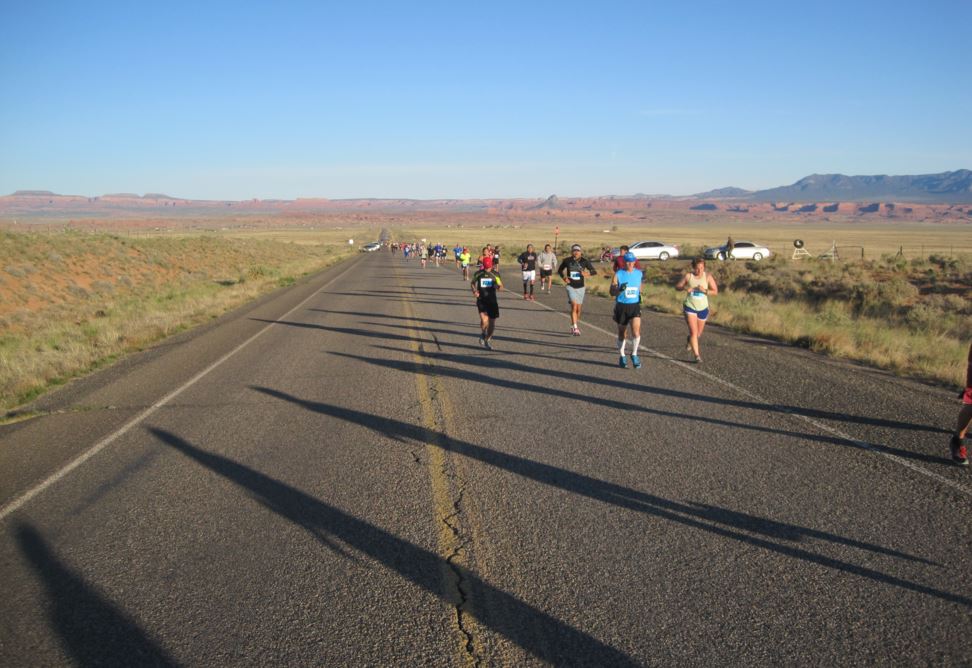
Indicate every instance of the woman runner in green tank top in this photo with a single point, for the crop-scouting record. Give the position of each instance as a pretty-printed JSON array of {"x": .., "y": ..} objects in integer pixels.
[{"x": 698, "y": 286}]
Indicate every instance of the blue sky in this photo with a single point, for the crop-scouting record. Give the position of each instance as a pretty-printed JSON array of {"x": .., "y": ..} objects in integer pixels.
[{"x": 235, "y": 100}]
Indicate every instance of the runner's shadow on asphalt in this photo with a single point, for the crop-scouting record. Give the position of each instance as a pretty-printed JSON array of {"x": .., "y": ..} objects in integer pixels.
[
  {"x": 93, "y": 630},
  {"x": 535, "y": 631},
  {"x": 498, "y": 381},
  {"x": 710, "y": 519},
  {"x": 774, "y": 408}
]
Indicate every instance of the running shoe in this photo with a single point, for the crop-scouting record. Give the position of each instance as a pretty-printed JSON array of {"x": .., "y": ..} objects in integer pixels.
[
  {"x": 636, "y": 361},
  {"x": 959, "y": 455},
  {"x": 487, "y": 344},
  {"x": 525, "y": 297},
  {"x": 482, "y": 341},
  {"x": 622, "y": 362},
  {"x": 698, "y": 359},
  {"x": 575, "y": 331}
]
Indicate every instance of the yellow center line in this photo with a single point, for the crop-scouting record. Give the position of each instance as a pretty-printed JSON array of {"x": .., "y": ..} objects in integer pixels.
[{"x": 452, "y": 533}]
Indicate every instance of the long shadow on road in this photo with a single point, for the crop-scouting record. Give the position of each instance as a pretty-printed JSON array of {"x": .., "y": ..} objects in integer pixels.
[
  {"x": 535, "y": 631},
  {"x": 711, "y": 519},
  {"x": 498, "y": 381},
  {"x": 92, "y": 629}
]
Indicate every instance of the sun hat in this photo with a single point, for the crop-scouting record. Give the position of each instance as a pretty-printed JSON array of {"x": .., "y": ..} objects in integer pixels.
[
  {"x": 575, "y": 247},
  {"x": 630, "y": 257}
]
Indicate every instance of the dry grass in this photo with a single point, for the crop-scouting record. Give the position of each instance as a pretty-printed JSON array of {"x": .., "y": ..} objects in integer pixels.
[{"x": 72, "y": 302}]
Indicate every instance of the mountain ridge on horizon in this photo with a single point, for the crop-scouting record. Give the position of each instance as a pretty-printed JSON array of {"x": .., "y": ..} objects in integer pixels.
[{"x": 953, "y": 187}]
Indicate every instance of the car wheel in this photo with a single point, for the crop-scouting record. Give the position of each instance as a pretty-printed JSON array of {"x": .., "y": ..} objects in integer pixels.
[
  {"x": 663, "y": 256},
  {"x": 721, "y": 256},
  {"x": 757, "y": 257}
]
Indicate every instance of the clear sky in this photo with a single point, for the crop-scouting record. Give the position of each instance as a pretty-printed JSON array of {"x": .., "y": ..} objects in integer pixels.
[{"x": 233, "y": 100}]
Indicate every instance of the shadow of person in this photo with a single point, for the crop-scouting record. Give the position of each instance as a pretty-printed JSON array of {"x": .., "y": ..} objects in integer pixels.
[
  {"x": 533, "y": 630},
  {"x": 93, "y": 631},
  {"x": 717, "y": 521}
]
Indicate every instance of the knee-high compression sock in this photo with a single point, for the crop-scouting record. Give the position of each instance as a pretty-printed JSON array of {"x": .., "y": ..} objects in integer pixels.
[
  {"x": 531, "y": 288},
  {"x": 635, "y": 342},
  {"x": 621, "y": 345}
]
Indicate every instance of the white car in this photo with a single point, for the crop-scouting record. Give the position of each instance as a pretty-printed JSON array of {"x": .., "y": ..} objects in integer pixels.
[
  {"x": 370, "y": 248},
  {"x": 741, "y": 250},
  {"x": 653, "y": 250}
]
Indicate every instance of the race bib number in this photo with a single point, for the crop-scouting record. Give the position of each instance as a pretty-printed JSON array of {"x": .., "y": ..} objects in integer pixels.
[
  {"x": 547, "y": 267},
  {"x": 631, "y": 293},
  {"x": 575, "y": 275},
  {"x": 698, "y": 293},
  {"x": 485, "y": 283}
]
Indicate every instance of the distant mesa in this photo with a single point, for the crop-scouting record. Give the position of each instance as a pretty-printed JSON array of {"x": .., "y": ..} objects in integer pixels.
[
  {"x": 704, "y": 207},
  {"x": 832, "y": 208},
  {"x": 35, "y": 193},
  {"x": 869, "y": 208},
  {"x": 807, "y": 208},
  {"x": 724, "y": 193},
  {"x": 156, "y": 196},
  {"x": 552, "y": 202}
]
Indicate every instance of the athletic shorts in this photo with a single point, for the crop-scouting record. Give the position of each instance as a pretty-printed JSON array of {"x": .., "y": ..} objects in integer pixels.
[
  {"x": 576, "y": 295},
  {"x": 546, "y": 273},
  {"x": 488, "y": 306},
  {"x": 625, "y": 313},
  {"x": 703, "y": 314},
  {"x": 529, "y": 275}
]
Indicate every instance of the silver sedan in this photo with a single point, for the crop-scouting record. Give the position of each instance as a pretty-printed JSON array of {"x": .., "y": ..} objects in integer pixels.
[{"x": 741, "y": 250}]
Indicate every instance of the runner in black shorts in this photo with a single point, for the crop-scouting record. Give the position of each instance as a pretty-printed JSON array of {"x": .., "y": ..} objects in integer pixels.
[
  {"x": 626, "y": 288},
  {"x": 485, "y": 284}
]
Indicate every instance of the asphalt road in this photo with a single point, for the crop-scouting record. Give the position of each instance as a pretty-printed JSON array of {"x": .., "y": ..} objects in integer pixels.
[{"x": 340, "y": 475}]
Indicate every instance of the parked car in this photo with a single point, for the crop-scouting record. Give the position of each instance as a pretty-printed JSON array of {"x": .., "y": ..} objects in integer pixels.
[
  {"x": 649, "y": 250},
  {"x": 373, "y": 246},
  {"x": 741, "y": 250}
]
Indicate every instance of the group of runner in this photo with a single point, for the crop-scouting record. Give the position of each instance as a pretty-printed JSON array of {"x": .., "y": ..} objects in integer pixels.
[
  {"x": 573, "y": 270},
  {"x": 626, "y": 288}
]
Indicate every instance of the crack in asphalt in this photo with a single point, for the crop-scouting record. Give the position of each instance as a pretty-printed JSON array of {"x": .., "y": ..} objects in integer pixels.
[{"x": 453, "y": 521}]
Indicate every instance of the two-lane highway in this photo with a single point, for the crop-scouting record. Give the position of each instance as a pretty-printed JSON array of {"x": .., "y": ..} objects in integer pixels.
[{"x": 341, "y": 475}]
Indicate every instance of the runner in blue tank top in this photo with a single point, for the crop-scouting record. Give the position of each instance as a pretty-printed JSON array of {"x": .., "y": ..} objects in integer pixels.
[{"x": 626, "y": 287}]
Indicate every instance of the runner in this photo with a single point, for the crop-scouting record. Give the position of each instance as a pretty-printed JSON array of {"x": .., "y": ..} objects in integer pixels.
[
  {"x": 485, "y": 284},
  {"x": 406, "y": 251},
  {"x": 699, "y": 286},
  {"x": 486, "y": 259},
  {"x": 439, "y": 250},
  {"x": 528, "y": 264},
  {"x": 547, "y": 261},
  {"x": 626, "y": 286},
  {"x": 457, "y": 251},
  {"x": 618, "y": 264},
  {"x": 957, "y": 444},
  {"x": 496, "y": 255},
  {"x": 424, "y": 254},
  {"x": 572, "y": 271},
  {"x": 465, "y": 257}
]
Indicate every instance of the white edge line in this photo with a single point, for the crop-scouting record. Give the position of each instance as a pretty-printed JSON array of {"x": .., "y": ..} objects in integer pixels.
[
  {"x": 819, "y": 425},
  {"x": 17, "y": 503}
]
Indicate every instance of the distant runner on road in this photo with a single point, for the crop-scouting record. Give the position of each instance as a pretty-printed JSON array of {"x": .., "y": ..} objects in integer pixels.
[
  {"x": 626, "y": 287},
  {"x": 528, "y": 265},
  {"x": 699, "y": 286},
  {"x": 457, "y": 251},
  {"x": 547, "y": 259},
  {"x": 957, "y": 444},
  {"x": 573, "y": 270},
  {"x": 465, "y": 257},
  {"x": 486, "y": 259},
  {"x": 618, "y": 264},
  {"x": 424, "y": 254},
  {"x": 485, "y": 284}
]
